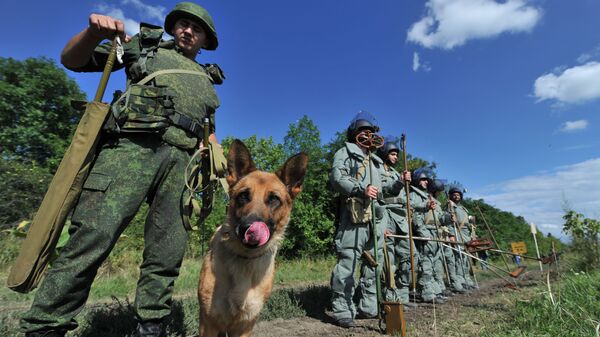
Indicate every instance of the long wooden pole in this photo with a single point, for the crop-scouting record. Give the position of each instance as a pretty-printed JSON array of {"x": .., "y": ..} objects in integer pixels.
[
  {"x": 492, "y": 235},
  {"x": 437, "y": 232},
  {"x": 409, "y": 219}
]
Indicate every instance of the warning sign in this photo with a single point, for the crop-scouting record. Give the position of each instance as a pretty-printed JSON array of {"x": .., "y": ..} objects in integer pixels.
[{"x": 519, "y": 247}]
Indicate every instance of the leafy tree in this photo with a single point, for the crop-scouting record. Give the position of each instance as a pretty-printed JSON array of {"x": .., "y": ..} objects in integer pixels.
[
  {"x": 311, "y": 226},
  {"x": 266, "y": 153},
  {"x": 35, "y": 113},
  {"x": 507, "y": 228},
  {"x": 584, "y": 232},
  {"x": 23, "y": 186}
]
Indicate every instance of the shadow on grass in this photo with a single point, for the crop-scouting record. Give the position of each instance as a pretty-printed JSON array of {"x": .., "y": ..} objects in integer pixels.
[
  {"x": 117, "y": 319},
  {"x": 290, "y": 303}
]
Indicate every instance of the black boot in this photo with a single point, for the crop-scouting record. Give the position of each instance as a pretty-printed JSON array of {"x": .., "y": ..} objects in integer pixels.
[
  {"x": 149, "y": 329},
  {"x": 46, "y": 333}
]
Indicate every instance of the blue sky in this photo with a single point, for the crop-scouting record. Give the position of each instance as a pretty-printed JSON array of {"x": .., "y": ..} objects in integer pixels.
[{"x": 503, "y": 95}]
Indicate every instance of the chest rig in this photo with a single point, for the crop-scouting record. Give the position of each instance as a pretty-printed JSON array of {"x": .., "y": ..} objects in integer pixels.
[{"x": 166, "y": 92}]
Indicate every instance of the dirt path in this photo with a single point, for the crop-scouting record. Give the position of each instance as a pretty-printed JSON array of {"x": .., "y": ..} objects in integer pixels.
[{"x": 462, "y": 315}]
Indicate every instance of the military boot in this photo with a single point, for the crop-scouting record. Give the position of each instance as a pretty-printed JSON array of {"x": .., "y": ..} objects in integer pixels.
[
  {"x": 149, "y": 329},
  {"x": 46, "y": 333}
]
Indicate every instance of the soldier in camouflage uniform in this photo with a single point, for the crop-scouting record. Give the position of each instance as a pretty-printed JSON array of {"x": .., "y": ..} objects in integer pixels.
[
  {"x": 427, "y": 214},
  {"x": 460, "y": 231},
  {"x": 395, "y": 205},
  {"x": 155, "y": 127},
  {"x": 357, "y": 177}
]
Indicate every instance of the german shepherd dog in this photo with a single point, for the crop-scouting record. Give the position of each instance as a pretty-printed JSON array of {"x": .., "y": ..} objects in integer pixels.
[{"x": 238, "y": 270}]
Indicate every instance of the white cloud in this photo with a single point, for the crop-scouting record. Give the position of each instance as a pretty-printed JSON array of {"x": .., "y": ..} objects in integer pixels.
[
  {"x": 593, "y": 54},
  {"x": 132, "y": 26},
  {"x": 574, "y": 85},
  {"x": 451, "y": 23},
  {"x": 416, "y": 63},
  {"x": 149, "y": 13},
  {"x": 572, "y": 126},
  {"x": 583, "y": 58},
  {"x": 539, "y": 198}
]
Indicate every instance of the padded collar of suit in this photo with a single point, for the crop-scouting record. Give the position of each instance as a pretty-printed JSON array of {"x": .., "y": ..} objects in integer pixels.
[{"x": 356, "y": 152}]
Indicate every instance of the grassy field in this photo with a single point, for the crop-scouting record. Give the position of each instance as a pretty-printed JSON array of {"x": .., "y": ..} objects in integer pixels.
[
  {"x": 570, "y": 308},
  {"x": 111, "y": 298}
]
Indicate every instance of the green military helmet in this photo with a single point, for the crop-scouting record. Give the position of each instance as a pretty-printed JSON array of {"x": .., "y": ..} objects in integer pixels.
[{"x": 196, "y": 13}]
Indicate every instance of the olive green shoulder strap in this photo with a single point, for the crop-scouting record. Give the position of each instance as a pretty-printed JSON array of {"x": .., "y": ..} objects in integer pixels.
[{"x": 172, "y": 71}]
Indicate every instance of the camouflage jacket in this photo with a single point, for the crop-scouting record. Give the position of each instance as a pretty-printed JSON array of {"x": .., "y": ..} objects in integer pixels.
[{"x": 191, "y": 95}]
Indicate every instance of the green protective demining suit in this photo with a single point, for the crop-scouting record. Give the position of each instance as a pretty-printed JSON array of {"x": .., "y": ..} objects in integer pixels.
[
  {"x": 398, "y": 249},
  {"x": 463, "y": 262},
  {"x": 456, "y": 279},
  {"x": 431, "y": 267},
  {"x": 131, "y": 168},
  {"x": 350, "y": 177}
]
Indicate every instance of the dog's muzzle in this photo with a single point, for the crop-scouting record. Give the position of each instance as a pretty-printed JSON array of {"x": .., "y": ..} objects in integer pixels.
[{"x": 253, "y": 233}]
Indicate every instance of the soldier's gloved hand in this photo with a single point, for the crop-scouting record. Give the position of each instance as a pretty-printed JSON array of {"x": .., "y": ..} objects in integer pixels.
[
  {"x": 371, "y": 192},
  {"x": 453, "y": 217},
  {"x": 431, "y": 204},
  {"x": 387, "y": 232},
  {"x": 106, "y": 27}
]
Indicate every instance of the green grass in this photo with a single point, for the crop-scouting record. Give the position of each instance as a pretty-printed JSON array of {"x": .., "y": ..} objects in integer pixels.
[
  {"x": 303, "y": 271},
  {"x": 299, "y": 291},
  {"x": 571, "y": 308}
]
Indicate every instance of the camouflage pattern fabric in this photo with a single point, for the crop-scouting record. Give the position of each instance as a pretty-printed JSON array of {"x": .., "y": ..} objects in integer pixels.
[
  {"x": 130, "y": 168},
  {"x": 110, "y": 199},
  {"x": 190, "y": 95}
]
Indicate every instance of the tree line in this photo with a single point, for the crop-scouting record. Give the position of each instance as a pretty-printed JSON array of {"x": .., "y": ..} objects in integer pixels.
[{"x": 37, "y": 122}]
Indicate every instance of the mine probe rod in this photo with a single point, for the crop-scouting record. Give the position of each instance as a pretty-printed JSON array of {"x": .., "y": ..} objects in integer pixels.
[
  {"x": 409, "y": 219},
  {"x": 437, "y": 231},
  {"x": 491, "y": 234}
]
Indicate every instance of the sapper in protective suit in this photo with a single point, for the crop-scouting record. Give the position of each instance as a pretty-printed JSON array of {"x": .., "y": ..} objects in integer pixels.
[
  {"x": 356, "y": 176},
  {"x": 426, "y": 218},
  {"x": 443, "y": 274},
  {"x": 398, "y": 250},
  {"x": 154, "y": 127},
  {"x": 460, "y": 230}
]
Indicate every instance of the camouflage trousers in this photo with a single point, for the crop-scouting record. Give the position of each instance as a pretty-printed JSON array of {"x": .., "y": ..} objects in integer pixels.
[{"x": 127, "y": 172}]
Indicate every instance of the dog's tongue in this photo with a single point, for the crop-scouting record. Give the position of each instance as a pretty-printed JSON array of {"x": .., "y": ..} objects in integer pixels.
[{"x": 257, "y": 234}]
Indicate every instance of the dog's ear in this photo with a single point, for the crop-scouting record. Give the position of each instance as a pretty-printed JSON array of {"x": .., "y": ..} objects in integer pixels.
[
  {"x": 239, "y": 162},
  {"x": 292, "y": 173}
]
